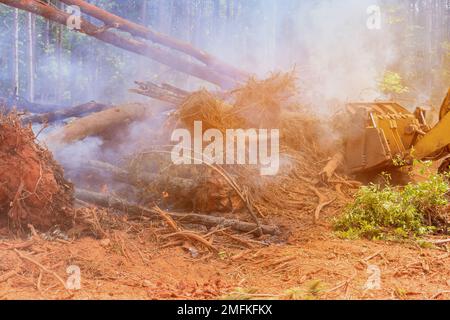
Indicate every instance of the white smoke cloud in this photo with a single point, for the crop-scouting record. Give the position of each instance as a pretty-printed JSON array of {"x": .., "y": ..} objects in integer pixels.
[{"x": 344, "y": 57}]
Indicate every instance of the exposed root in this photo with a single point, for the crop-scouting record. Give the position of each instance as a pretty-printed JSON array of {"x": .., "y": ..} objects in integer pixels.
[{"x": 33, "y": 189}]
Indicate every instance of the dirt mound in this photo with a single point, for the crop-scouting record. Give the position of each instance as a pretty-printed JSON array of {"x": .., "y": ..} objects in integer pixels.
[{"x": 32, "y": 189}]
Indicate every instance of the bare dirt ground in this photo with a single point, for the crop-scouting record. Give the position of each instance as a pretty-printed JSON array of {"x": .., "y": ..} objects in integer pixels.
[
  {"x": 155, "y": 257},
  {"x": 134, "y": 264}
]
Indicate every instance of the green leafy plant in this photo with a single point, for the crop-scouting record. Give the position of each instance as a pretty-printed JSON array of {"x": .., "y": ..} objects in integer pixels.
[
  {"x": 391, "y": 212},
  {"x": 392, "y": 82}
]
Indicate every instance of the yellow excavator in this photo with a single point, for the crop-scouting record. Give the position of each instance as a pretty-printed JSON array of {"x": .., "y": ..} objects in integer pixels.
[{"x": 385, "y": 135}]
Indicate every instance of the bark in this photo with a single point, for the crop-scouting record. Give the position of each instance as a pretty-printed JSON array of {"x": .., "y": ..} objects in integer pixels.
[
  {"x": 62, "y": 114},
  {"x": 132, "y": 45},
  {"x": 131, "y": 209},
  {"x": 159, "y": 38}
]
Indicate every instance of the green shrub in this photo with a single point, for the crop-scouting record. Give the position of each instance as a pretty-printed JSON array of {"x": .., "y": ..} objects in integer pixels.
[{"x": 391, "y": 212}]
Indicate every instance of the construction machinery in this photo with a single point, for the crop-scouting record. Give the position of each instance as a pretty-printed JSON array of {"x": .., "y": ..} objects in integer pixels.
[{"x": 385, "y": 135}]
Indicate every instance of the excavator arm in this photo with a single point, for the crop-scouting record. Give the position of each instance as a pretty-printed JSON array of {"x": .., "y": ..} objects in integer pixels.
[{"x": 437, "y": 138}]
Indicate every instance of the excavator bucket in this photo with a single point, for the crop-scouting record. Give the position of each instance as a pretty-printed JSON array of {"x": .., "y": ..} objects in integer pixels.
[
  {"x": 387, "y": 135},
  {"x": 383, "y": 131}
]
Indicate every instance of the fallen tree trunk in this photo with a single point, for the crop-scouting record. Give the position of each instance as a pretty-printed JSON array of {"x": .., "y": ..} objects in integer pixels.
[
  {"x": 132, "y": 45},
  {"x": 62, "y": 114},
  {"x": 103, "y": 168},
  {"x": 107, "y": 201},
  {"x": 97, "y": 123},
  {"x": 162, "y": 92},
  {"x": 159, "y": 38},
  {"x": 23, "y": 105}
]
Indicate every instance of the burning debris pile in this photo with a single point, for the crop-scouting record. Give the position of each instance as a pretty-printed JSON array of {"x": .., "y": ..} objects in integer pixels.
[
  {"x": 32, "y": 189},
  {"x": 229, "y": 188},
  {"x": 142, "y": 177},
  {"x": 212, "y": 190}
]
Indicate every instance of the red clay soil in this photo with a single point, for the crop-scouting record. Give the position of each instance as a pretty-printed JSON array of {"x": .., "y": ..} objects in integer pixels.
[
  {"x": 32, "y": 187},
  {"x": 139, "y": 264}
]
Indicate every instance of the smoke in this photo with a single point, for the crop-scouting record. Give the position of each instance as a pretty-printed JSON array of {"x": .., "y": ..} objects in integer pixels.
[
  {"x": 338, "y": 58},
  {"x": 74, "y": 155},
  {"x": 345, "y": 58}
]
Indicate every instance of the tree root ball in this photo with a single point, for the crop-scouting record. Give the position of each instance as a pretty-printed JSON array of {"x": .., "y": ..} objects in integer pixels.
[{"x": 32, "y": 186}]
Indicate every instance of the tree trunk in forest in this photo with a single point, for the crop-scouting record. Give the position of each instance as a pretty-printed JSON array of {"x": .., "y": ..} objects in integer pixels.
[
  {"x": 146, "y": 33},
  {"x": 216, "y": 26},
  {"x": 142, "y": 48},
  {"x": 58, "y": 51},
  {"x": 30, "y": 34},
  {"x": 47, "y": 32},
  {"x": 144, "y": 14},
  {"x": 165, "y": 16},
  {"x": 15, "y": 55}
]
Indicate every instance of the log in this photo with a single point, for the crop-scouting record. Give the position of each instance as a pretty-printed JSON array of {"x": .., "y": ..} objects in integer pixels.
[
  {"x": 131, "y": 209},
  {"x": 107, "y": 169},
  {"x": 159, "y": 38},
  {"x": 162, "y": 92},
  {"x": 97, "y": 123},
  {"x": 139, "y": 47},
  {"x": 23, "y": 105},
  {"x": 77, "y": 111}
]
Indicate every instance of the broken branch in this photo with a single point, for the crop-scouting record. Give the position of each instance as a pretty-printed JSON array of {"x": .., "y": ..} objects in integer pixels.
[{"x": 107, "y": 201}]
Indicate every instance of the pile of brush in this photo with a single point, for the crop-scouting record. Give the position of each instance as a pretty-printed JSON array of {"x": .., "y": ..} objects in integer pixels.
[
  {"x": 299, "y": 187},
  {"x": 238, "y": 196}
]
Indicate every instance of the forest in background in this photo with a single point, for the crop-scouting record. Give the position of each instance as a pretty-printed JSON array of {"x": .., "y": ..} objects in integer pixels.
[{"x": 327, "y": 42}]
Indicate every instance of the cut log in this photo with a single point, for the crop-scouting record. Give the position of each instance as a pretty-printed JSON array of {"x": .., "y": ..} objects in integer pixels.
[
  {"x": 97, "y": 123},
  {"x": 62, "y": 114},
  {"x": 108, "y": 201},
  {"x": 132, "y": 45},
  {"x": 159, "y": 38}
]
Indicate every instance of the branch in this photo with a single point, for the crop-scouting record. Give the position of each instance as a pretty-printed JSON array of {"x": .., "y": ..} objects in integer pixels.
[
  {"x": 141, "y": 48},
  {"x": 163, "y": 92},
  {"x": 159, "y": 38},
  {"x": 76, "y": 111},
  {"x": 107, "y": 201}
]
